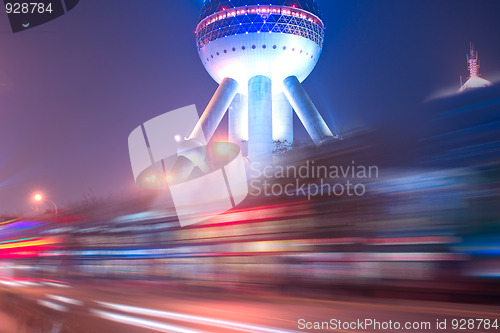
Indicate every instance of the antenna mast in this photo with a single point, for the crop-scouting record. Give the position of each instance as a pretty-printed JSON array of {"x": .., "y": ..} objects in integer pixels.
[{"x": 473, "y": 62}]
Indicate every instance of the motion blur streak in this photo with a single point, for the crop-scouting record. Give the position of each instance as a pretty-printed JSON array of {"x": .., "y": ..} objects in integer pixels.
[
  {"x": 53, "y": 306},
  {"x": 142, "y": 322},
  {"x": 10, "y": 283},
  {"x": 29, "y": 243},
  {"x": 192, "y": 319},
  {"x": 60, "y": 285},
  {"x": 65, "y": 299},
  {"x": 17, "y": 240}
]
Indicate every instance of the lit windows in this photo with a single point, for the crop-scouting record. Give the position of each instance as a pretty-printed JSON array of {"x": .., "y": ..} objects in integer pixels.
[{"x": 254, "y": 19}]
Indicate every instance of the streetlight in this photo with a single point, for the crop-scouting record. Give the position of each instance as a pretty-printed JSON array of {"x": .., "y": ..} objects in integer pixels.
[{"x": 39, "y": 197}]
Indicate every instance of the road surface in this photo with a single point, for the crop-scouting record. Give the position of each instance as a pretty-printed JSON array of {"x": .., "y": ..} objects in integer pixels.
[{"x": 134, "y": 308}]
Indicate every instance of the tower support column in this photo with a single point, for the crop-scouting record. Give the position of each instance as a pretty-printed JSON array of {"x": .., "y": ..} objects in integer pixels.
[
  {"x": 215, "y": 110},
  {"x": 260, "y": 119},
  {"x": 282, "y": 119},
  {"x": 306, "y": 111},
  {"x": 238, "y": 121}
]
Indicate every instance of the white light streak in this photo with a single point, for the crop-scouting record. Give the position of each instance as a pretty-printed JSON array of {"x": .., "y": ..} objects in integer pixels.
[
  {"x": 191, "y": 318},
  {"x": 142, "y": 322},
  {"x": 65, "y": 299},
  {"x": 53, "y": 306},
  {"x": 53, "y": 284}
]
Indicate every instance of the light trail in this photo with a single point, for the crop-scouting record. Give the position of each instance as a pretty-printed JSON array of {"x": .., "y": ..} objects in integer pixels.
[
  {"x": 192, "y": 319},
  {"x": 142, "y": 322},
  {"x": 53, "y": 306},
  {"x": 65, "y": 299},
  {"x": 54, "y": 284}
]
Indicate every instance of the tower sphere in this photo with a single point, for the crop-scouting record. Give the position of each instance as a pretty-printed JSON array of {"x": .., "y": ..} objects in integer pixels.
[{"x": 241, "y": 39}]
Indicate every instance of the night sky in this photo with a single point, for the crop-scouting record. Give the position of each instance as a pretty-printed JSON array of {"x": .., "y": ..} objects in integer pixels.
[{"x": 73, "y": 89}]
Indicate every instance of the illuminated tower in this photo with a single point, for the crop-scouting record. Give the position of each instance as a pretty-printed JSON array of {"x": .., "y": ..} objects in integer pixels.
[
  {"x": 474, "y": 80},
  {"x": 259, "y": 52}
]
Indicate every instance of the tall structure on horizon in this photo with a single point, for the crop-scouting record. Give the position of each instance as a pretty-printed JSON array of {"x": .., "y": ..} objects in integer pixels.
[
  {"x": 259, "y": 53},
  {"x": 474, "y": 80}
]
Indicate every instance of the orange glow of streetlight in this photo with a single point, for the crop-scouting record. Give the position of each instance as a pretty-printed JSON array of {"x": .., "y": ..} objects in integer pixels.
[{"x": 38, "y": 197}]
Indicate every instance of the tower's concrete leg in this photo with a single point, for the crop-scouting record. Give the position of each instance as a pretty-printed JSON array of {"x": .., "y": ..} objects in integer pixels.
[
  {"x": 238, "y": 121},
  {"x": 282, "y": 119},
  {"x": 306, "y": 111},
  {"x": 260, "y": 119},
  {"x": 215, "y": 110}
]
